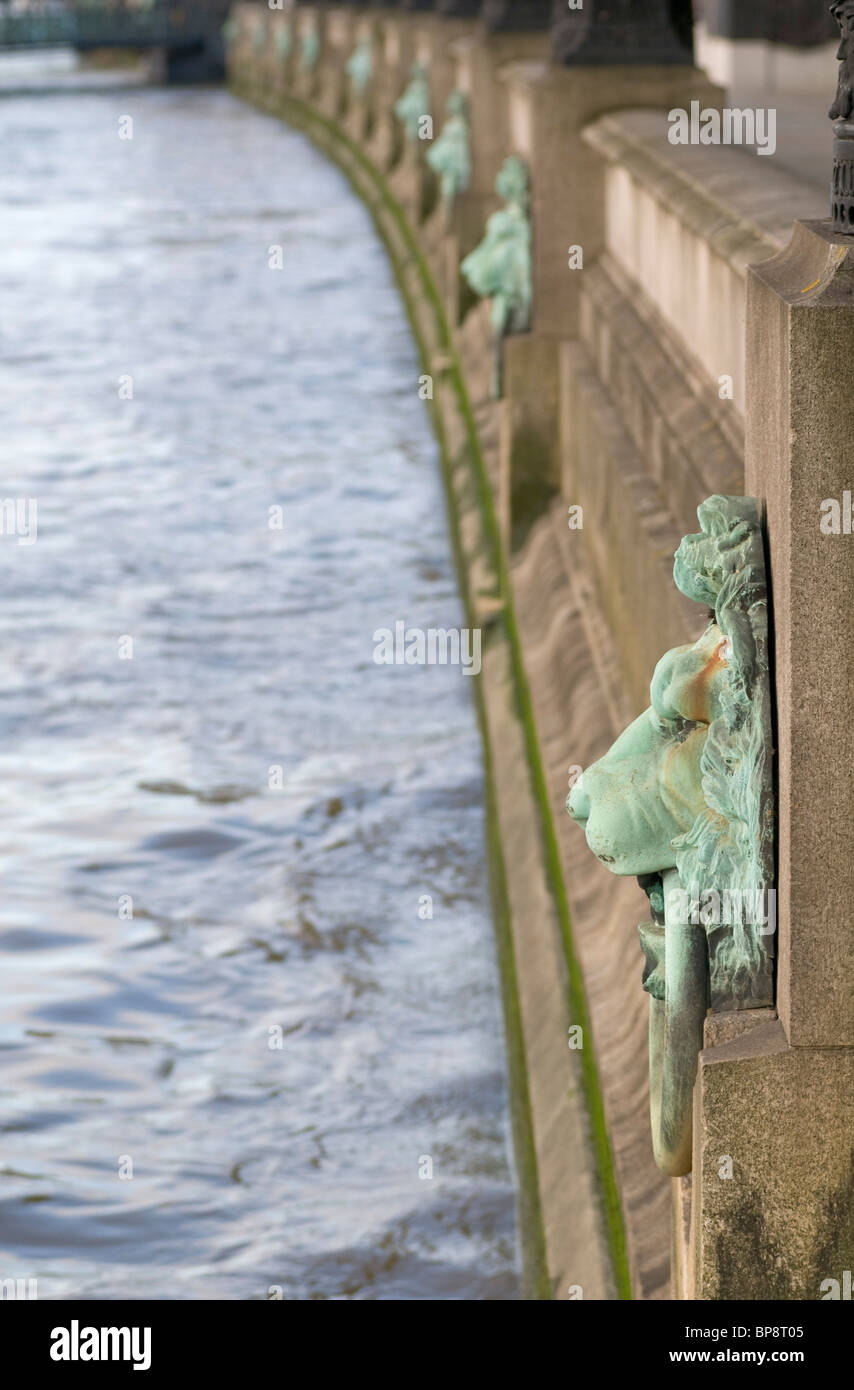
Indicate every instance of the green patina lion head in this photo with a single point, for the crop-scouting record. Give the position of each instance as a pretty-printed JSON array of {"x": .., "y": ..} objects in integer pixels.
[{"x": 688, "y": 785}]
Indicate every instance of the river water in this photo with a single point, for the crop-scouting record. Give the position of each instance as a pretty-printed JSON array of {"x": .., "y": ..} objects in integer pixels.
[{"x": 229, "y": 1043}]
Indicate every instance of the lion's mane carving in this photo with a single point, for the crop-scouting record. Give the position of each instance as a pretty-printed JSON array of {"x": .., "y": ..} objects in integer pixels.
[{"x": 731, "y": 843}]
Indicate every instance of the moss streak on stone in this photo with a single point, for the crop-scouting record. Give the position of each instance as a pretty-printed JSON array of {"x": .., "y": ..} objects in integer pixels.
[{"x": 374, "y": 190}]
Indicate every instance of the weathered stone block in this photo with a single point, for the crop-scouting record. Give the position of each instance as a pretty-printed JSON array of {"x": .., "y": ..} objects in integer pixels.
[
  {"x": 781, "y": 1121},
  {"x": 800, "y": 338}
]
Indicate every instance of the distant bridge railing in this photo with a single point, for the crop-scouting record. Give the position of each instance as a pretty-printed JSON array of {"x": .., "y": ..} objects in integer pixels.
[{"x": 102, "y": 26}]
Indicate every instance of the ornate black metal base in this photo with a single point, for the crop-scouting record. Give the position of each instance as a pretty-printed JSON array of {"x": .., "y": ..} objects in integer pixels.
[
  {"x": 509, "y": 14},
  {"x": 459, "y": 9},
  {"x": 842, "y": 185},
  {"x": 621, "y": 32},
  {"x": 797, "y": 22}
]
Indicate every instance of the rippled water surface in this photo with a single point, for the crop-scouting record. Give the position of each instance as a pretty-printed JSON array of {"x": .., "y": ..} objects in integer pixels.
[{"x": 142, "y": 786}]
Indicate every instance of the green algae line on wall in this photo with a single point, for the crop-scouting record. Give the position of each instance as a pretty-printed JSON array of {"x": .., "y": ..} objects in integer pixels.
[{"x": 432, "y": 336}]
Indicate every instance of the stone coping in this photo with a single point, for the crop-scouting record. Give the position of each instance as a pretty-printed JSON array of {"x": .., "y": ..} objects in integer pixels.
[{"x": 722, "y": 194}]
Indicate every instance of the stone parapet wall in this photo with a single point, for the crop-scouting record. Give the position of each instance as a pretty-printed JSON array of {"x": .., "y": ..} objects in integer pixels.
[{"x": 684, "y": 222}]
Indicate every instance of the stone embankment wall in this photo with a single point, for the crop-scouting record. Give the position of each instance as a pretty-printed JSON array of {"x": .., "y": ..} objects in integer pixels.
[{"x": 626, "y": 399}]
